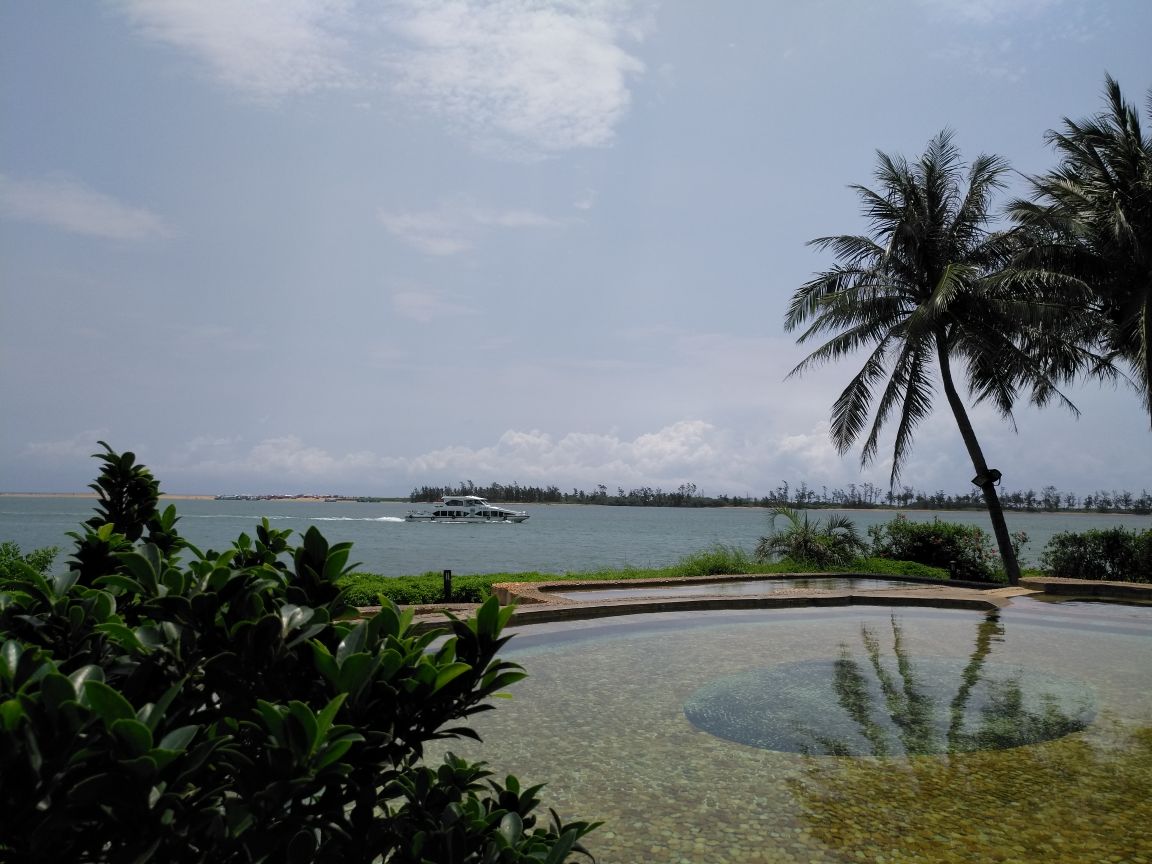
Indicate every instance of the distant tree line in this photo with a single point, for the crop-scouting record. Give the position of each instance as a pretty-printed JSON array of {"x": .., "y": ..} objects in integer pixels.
[{"x": 856, "y": 496}]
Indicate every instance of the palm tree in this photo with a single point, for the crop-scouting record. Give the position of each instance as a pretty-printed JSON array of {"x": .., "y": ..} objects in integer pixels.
[
  {"x": 923, "y": 292},
  {"x": 834, "y": 543},
  {"x": 1090, "y": 223}
]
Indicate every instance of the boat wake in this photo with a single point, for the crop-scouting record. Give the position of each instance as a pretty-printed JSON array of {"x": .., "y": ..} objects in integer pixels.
[{"x": 357, "y": 518}]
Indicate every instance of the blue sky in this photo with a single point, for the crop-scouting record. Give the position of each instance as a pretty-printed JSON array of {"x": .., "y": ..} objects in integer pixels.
[{"x": 353, "y": 247}]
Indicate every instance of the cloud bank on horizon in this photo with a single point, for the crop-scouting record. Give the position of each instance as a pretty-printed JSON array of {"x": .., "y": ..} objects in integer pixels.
[{"x": 354, "y": 247}]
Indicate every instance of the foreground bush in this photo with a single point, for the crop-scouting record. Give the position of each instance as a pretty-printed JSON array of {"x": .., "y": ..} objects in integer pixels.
[
  {"x": 1100, "y": 553},
  {"x": 232, "y": 709},
  {"x": 964, "y": 551}
]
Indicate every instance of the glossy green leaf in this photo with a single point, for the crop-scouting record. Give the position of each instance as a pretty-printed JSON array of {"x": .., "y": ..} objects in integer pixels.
[
  {"x": 356, "y": 672},
  {"x": 273, "y": 719},
  {"x": 62, "y": 582},
  {"x": 120, "y": 634},
  {"x": 106, "y": 702},
  {"x": 488, "y": 616},
  {"x": 325, "y": 663},
  {"x": 328, "y": 713},
  {"x": 178, "y": 739},
  {"x": 11, "y": 712},
  {"x": 353, "y": 643},
  {"x": 56, "y": 689},
  {"x": 511, "y": 828},
  {"x": 335, "y": 751},
  {"x": 10, "y": 659},
  {"x": 133, "y": 735},
  {"x": 125, "y": 584},
  {"x": 450, "y": 673},
  {"x": 308, "y": 725}
]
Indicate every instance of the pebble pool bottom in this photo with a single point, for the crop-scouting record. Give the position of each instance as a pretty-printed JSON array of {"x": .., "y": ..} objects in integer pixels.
[{"x": 603, "y": 719}]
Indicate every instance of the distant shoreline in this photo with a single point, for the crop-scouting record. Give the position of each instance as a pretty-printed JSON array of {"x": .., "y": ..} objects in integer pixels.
[
  {"x": 317, "y": 499},
  {"x": 163, "y": 495}
]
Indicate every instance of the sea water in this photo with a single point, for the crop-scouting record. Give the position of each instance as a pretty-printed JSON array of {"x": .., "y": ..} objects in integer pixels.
[{"x": 557, "y": 538}]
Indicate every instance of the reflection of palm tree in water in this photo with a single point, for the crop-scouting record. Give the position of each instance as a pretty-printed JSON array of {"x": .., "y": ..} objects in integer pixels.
[
  {"x": 989, "y": 631},
  {"x": 910, "y": 709},
  {"x": 1087, "y": 797}
]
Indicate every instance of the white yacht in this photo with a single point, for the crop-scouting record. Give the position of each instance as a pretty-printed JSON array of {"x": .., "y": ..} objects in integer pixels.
[{"x": 465, "y": 508}]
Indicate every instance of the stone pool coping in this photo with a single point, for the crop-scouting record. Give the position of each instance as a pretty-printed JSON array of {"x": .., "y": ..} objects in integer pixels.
[
  {"x": 539, "y": 602},
  {"x": 548, "y": 592},
  {"x": 552, "y": 608},
  {"x": 1089, "y": 587}
]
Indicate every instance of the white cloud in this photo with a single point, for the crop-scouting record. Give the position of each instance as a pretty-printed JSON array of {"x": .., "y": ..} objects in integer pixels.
[
  {"x": 992, "y": 11},
  {"x": 511, "y": 219},
  {"x": 265, "y": 48},
  {"x": 68, "y": 205},
  {"x": 994, "y": 59},
  {"x": 432, "y": 233},
  {"x": 678, "y": 453},
  {"x": 426, "y": 305},
  {"x": 453, "y": 229},
  {"x": 529, "y": 74},
  {"x": 523, "y": 76},
  {"x": 280, "y": 458},
  {"x": 586, "y": 200},
  {"x": 81, "y": 445},
  {"x": 812, "y": 453}
]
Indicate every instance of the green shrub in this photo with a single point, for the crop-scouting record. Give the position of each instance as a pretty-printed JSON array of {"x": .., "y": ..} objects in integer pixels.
[
  {"x": 717, "y": 560},
  {"x": 833, "y": 543},
  {"x": 964, "y": 551},
  {"x": 369, "y": 589},
  {"x": 232, "y": 708},
  {"x": 12, "y": 560},
  {"x": 1116, "y": 554},
  {"x": 889, "y": 567}
]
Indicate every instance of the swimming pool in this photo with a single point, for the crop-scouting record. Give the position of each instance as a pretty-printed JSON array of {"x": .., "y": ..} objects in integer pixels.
[
  {"x": 606, "y": 719},
  {"x": 733, "y": 588}
]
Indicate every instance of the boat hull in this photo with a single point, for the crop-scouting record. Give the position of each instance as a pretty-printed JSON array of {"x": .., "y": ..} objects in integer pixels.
[
  {"x": 471, "y": 509},
  {"x": 471, "y": 520}
]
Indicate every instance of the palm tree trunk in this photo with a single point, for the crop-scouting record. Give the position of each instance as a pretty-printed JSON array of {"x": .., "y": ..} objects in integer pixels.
[
  {"x": 988, "y": 487},
  {"x": 1145, "y": 343}
]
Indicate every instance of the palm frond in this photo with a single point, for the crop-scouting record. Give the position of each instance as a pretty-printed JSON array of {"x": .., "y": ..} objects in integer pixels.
[
  {"x": 1093, "y": 217},
  {"x": 850, "y": 410}
]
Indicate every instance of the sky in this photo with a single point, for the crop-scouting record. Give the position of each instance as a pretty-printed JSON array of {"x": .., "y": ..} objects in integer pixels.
[{"x": 359, "y": 246}]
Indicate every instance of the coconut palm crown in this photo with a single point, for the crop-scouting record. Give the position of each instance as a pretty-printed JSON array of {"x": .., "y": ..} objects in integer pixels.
[
  {"x": 1090, "y": 228},
  {"x": 924, "y": 294}
]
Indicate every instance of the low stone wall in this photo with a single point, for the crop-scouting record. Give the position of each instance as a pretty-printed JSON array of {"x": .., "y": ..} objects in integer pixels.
[
  {"x": 539, "y": 602},
  {"x": 531, "y": 593},
  {"x": 1089, "y": 587}
]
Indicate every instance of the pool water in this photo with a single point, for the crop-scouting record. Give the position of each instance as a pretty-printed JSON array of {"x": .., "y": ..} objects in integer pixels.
[
  {"x": 738, "y": 588},
  {"x": 603, "y": 719}
]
